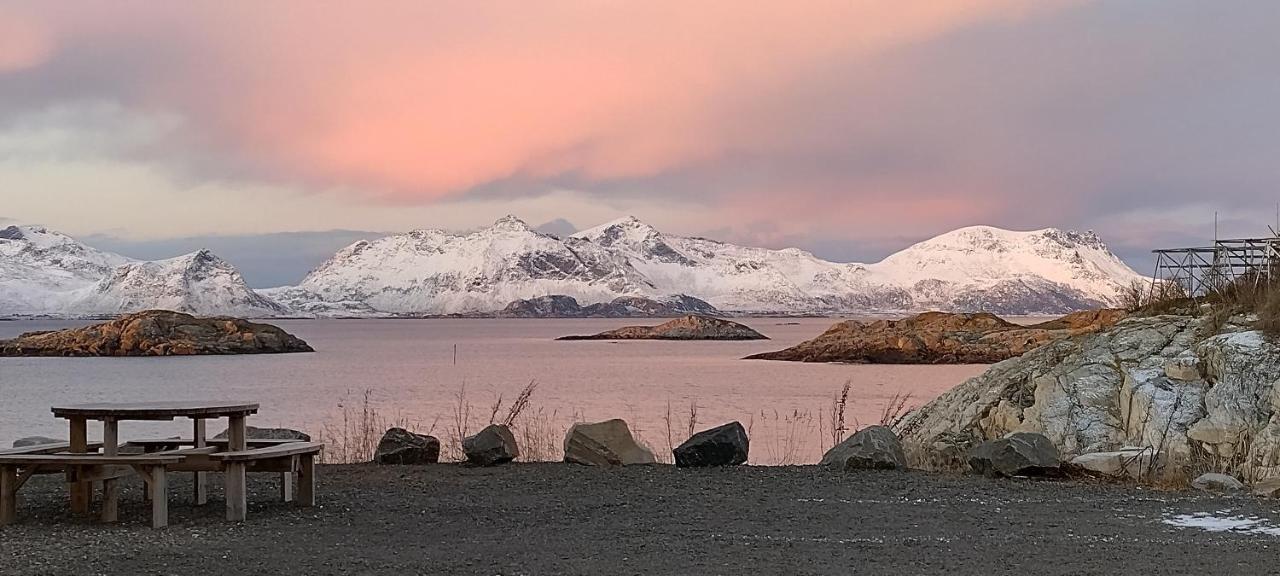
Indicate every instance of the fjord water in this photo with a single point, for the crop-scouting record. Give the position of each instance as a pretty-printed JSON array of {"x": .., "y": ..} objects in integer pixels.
[{"x": 408, "y": 369}]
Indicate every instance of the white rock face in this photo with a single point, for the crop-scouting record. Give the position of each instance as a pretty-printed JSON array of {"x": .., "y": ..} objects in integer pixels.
[
  {"x": 1110, "y": 390},
  {"x": 40, "y": 270},
  {"x": 980, "y": 268},
  {"x": 199, "y": 283},
  {"x": 44, "y": 273}
]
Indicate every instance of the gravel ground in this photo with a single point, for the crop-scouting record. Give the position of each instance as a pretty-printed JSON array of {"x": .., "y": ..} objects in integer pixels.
[{"x": 564, "y": 519}]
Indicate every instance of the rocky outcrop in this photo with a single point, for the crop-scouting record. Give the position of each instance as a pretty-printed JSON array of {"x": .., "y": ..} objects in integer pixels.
[
  {"x": 158, "y": 333},
  {"x": 400, "y": 446},
  {"x": 607, "y": 443},
  {"x": 725, "y": 445},
  {"x": 690, "y": 327},
  {"x": 35, "y": 441},
  {"x": 557, "y": 306},
  {"x": 1018, "y": 454},
  {"x": 492, "y": 446},
  {"x": 872, "y": 448},
  {"x": 938, "y": 338},
  {"x": 255, "y": 433},
  {"x": 1115, "y": 389}
]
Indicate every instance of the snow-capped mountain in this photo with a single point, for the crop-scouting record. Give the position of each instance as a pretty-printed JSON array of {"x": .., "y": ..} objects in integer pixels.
[
  {"x": 199, "y": 283},
  {"x": 45, "y": 273},
  {"x": 436, "y": 272},
  {"x": 41, "y": 269},
  {"x": 977, "y": 268}
]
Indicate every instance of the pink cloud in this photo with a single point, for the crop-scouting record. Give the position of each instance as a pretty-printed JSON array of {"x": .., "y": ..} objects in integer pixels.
[
  {"x": 23, "y": 43},
  {"x": 432, "y": 99}
]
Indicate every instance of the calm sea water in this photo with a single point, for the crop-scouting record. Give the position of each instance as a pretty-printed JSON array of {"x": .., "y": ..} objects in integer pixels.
[{"x": 407, "y": 370}]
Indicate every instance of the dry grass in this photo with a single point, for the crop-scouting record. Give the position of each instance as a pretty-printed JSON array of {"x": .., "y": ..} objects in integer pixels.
[
  {"x": 354, "y": 434},
  {"x": 895, "y": 409}
]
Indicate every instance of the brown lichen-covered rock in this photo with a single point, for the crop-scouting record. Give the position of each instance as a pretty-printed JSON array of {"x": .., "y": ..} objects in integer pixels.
[
  {"x": 939, "y": 338},
  {"x": 402, "y": 447},
  {"x": 158, "y": 333},
  {"x": 691, "y": 327}
]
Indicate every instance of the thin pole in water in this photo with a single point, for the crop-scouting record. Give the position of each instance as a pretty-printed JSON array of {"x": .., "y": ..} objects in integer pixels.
[{"x": 455, "y": 354}]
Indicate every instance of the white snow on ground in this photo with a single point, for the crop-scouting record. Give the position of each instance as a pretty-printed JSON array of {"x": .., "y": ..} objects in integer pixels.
[{"x": 1221, "y": 521}]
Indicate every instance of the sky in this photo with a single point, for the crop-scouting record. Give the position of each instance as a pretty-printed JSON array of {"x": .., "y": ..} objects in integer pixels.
[{"x": 274, "y": 133}]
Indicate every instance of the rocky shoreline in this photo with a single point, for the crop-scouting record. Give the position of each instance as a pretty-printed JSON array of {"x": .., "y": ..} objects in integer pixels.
[
  {"x": 939, "y": 338},
  {"x": 691, "y": 327},
  {"x": 158, "y": 333}
]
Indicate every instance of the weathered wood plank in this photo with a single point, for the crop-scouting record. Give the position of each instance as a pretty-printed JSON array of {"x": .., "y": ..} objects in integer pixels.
[
  {"x": 268, "y": 452},
  {"x": 199, "y": 481},
  {"x": 80, "y": 491},
  {"x": 155, "y": 410},
  {"x": 237, "y": 505},
  {"x": 8, "y": 494},
  {"x": 159, "y": 497},
  {"x": 307, "y": 481},
  {"x": 92, "y": 459}
]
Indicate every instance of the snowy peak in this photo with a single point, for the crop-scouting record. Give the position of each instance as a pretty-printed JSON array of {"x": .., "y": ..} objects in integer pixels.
[
  {"x": 199, "y": 283},
  {"x": 635, "y": 238},
  {"x": 510, "y": 223}
]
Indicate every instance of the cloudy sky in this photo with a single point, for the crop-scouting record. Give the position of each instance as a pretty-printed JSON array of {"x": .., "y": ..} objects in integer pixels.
[{"x": 850, "y": 128}]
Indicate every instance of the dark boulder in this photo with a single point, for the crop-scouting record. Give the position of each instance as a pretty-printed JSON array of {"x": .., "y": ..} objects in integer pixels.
[
  {"x": 492, "y": 446},
  {"x": 872, "y": 448},
  {"x": 1018, "y": 454},
  {"x": 400, "y": 446},
  {"x": 725, "y": 445},
  {"x": 252, "y": 433},
  {"x": 35, "y": 441}
]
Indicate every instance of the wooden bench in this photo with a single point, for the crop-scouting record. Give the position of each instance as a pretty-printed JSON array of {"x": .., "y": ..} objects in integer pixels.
[
  {"x": 50, "y": 448},
  {"x": 153, "y": 444},
  {"x": 288, "y": 458},
  {"x": 16, "y": 469}
]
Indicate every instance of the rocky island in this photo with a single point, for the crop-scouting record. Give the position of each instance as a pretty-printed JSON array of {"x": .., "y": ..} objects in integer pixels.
[
  {"x": 560, "y": 306},
  {"x": 691, "y": 327},
  {"x": 158, "y": 333},
  {"x": 939, "y": 338}
]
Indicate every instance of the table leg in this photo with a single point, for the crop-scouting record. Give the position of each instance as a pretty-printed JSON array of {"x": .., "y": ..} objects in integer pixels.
[
  {"x": 199, "y": 480},
  {"x": 159, "y": 497},
  {"x": 110, "y": 486},
  {"x": 307, "y": 481},
  {"x": 80, "y": 491},
  {"x": 8, "y": 494},
  {"x": 237, "y": 504}
]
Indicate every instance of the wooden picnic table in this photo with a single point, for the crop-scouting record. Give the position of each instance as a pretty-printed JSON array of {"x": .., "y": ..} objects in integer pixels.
[{"x": 112, "y": 413}]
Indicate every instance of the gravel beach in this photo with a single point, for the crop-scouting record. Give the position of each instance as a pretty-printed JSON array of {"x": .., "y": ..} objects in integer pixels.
[{"x": 565, "y": 519}]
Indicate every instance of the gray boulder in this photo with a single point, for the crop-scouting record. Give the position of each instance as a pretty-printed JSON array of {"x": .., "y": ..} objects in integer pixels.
[
  {"x": 252, "y": 433},
  {"x": 35, "y": 441},
  {"x": 1018, "y": 454},
  {"x": 725, "y": 445},
  {"x": 400, "y": 446},
  {"x": 1214, "y": 482},
  {"x": 607, "y": 443},
  {"x": 872, "y": 448},
  {"x": 492, "y": 446}
]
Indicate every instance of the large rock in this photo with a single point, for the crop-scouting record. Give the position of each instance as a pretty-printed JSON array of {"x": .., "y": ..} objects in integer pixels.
[
  {"x": 158, "y": 333},
  {"x": 872, "y": 448},
  {"x": 691, "y": 327},
  {"x": 35, "y": 441},
  {"x": 1112, "y": 389},
  {"x": 725, "y": 445},
  {"x": 938, "y": 338},
  {"x": 400, "y": 446},
  {"x": 1214, "y": 482},
  {"x": 1019, "y": 454},
  {"x": 607, "y": 443},
  {"x": 254, "y": 433},
  {"x": 1134, "y": 463},
  {"x": 492, "y": 446},
  {"x": 1267, "y": 487}
]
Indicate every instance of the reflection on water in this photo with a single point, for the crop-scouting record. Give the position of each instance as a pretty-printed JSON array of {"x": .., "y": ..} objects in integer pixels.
[{"x": 409, "y": 371}]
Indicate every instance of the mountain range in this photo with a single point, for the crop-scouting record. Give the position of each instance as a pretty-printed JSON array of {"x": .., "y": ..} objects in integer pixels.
[{"x": 434, "y": 272}]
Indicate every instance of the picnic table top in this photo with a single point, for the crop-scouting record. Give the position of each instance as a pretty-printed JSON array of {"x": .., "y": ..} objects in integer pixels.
[{"x": 155, "y": 410}]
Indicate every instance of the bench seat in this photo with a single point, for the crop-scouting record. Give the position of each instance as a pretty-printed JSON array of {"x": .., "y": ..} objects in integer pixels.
[
  {"x": 150, "y": 443},
  {"x": 289, "y": 458},
  {"x": 16, "y": 469},
  {"x": 50, "y": 448}
]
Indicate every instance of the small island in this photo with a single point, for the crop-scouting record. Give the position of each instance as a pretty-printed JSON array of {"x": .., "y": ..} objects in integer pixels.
[
  {"x": 939, "y": 338},
  {"x": 158, "y": 333},
  {"x": 691, "y": 327}
]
